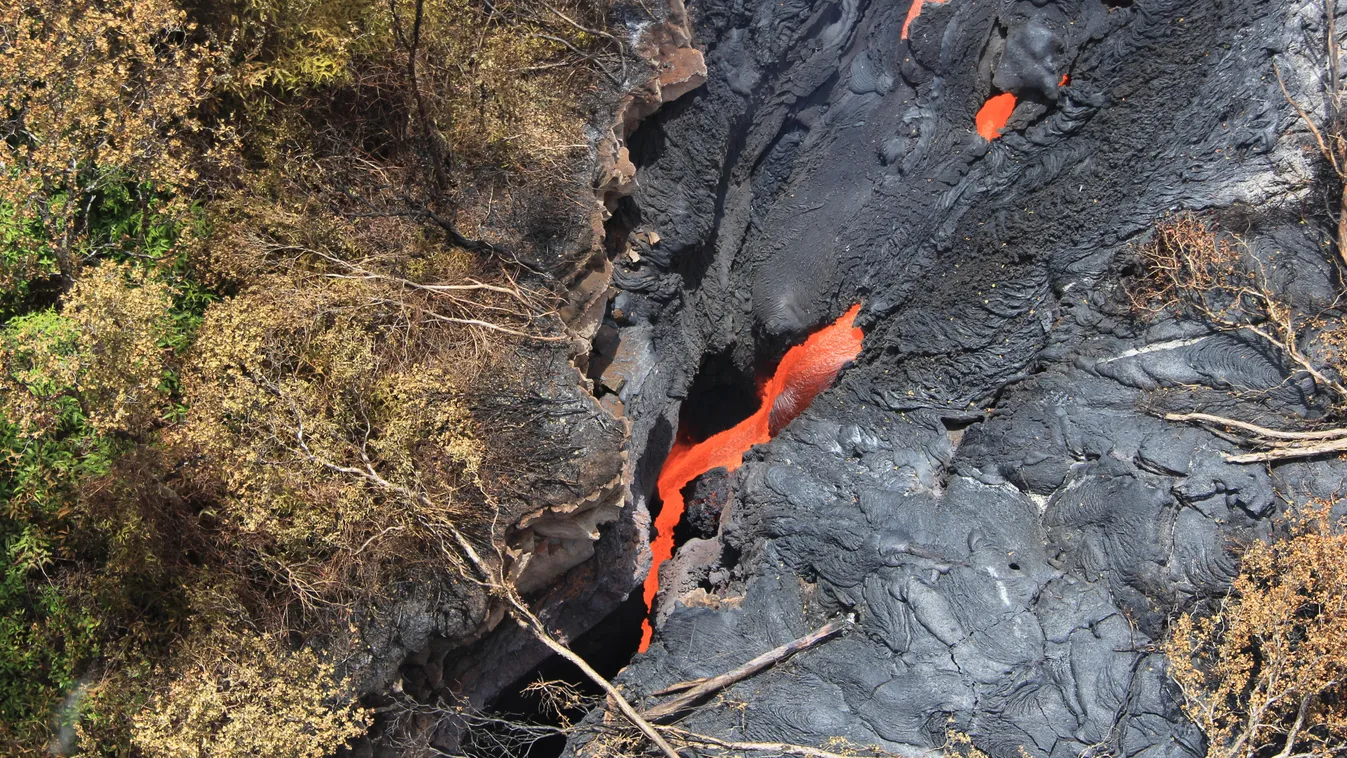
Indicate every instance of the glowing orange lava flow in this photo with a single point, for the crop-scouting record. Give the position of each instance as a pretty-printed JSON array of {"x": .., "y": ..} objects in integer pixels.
[
  {"x": 913, "y": 11},
  {"x": 992, "y": 118},
  {"x": 805, "y": 371}
]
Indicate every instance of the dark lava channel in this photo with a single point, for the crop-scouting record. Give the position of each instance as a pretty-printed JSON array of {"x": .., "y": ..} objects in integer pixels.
[{"x": 988, "y": 490}]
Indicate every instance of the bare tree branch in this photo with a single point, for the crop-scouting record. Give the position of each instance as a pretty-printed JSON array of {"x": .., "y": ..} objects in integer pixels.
[
  {"x": 1261, "y": 431},
  {"x": 1290, "y": 452},
  {"x": 697, "y": 689},
  {"x": 1332, "y": 140}
]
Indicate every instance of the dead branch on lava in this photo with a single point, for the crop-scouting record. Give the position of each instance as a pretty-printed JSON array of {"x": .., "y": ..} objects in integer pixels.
[
  {"x": 697, "y": 689},
  {"x": 1191, "y": 269},
  {"x": 600, "y": 738}
]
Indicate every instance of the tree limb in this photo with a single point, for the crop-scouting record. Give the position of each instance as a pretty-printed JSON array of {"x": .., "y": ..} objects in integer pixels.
[
  {"x": 525, "y": 618},
  {"x": 1261, "y": 431},
  {"x": 1296, "y": 727},
  {"x": 1290, "y": 452},
  {"x": 434, "y": 142},
  {"x": 697, "y": 689}
]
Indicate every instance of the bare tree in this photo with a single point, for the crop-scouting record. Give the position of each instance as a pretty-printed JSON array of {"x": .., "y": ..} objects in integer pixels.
[{"x": 1331, "y": 137}]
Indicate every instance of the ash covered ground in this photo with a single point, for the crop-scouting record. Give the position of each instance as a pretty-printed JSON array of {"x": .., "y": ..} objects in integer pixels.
[{"x": 988, "y": 489}]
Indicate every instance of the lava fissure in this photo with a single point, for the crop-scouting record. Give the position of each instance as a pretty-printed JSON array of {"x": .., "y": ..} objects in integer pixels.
[{"x": 806, "y": 370}]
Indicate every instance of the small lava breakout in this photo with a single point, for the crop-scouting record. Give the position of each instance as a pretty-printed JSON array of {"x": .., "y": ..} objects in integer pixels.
[
  {"x": 913, "y": 11},
  {"x": 994, "y": 114}
]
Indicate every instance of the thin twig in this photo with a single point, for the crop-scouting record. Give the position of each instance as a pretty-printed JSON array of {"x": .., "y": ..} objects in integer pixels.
[
  {"x": 1305, "y": 117},
  {"x": 470, "y": 321},
  {"x": 611, "y": 76},
  {"x": 1288, "y": 346},
  {"x": 1332, "y": 147},
  {"x": 621, "y": 49}
]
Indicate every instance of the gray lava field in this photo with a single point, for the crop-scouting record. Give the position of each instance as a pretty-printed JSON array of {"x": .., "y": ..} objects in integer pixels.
[{"x": 989, "y": 491}]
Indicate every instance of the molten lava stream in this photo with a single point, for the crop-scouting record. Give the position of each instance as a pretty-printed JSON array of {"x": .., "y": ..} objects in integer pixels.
[{"x": 806, "y": 370}]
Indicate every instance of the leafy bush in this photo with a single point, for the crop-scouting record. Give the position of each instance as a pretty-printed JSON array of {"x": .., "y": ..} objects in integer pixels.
[
  {"x": 71, "y": 383},
  {"x": 45, "y": 644},
  {"x": 291, "y": 384}
]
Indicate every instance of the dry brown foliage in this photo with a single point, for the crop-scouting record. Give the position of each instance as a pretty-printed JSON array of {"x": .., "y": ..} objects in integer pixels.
[
  {"x": 1185, "y": 264},
  {"x": 1191, "y": 268},
  {"x": 1265, "y": 674},
  {"x": 123, "y": 317}
]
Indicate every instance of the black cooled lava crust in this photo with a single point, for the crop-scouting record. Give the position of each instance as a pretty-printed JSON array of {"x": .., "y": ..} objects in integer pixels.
[{"x": 988, "y": 490}]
